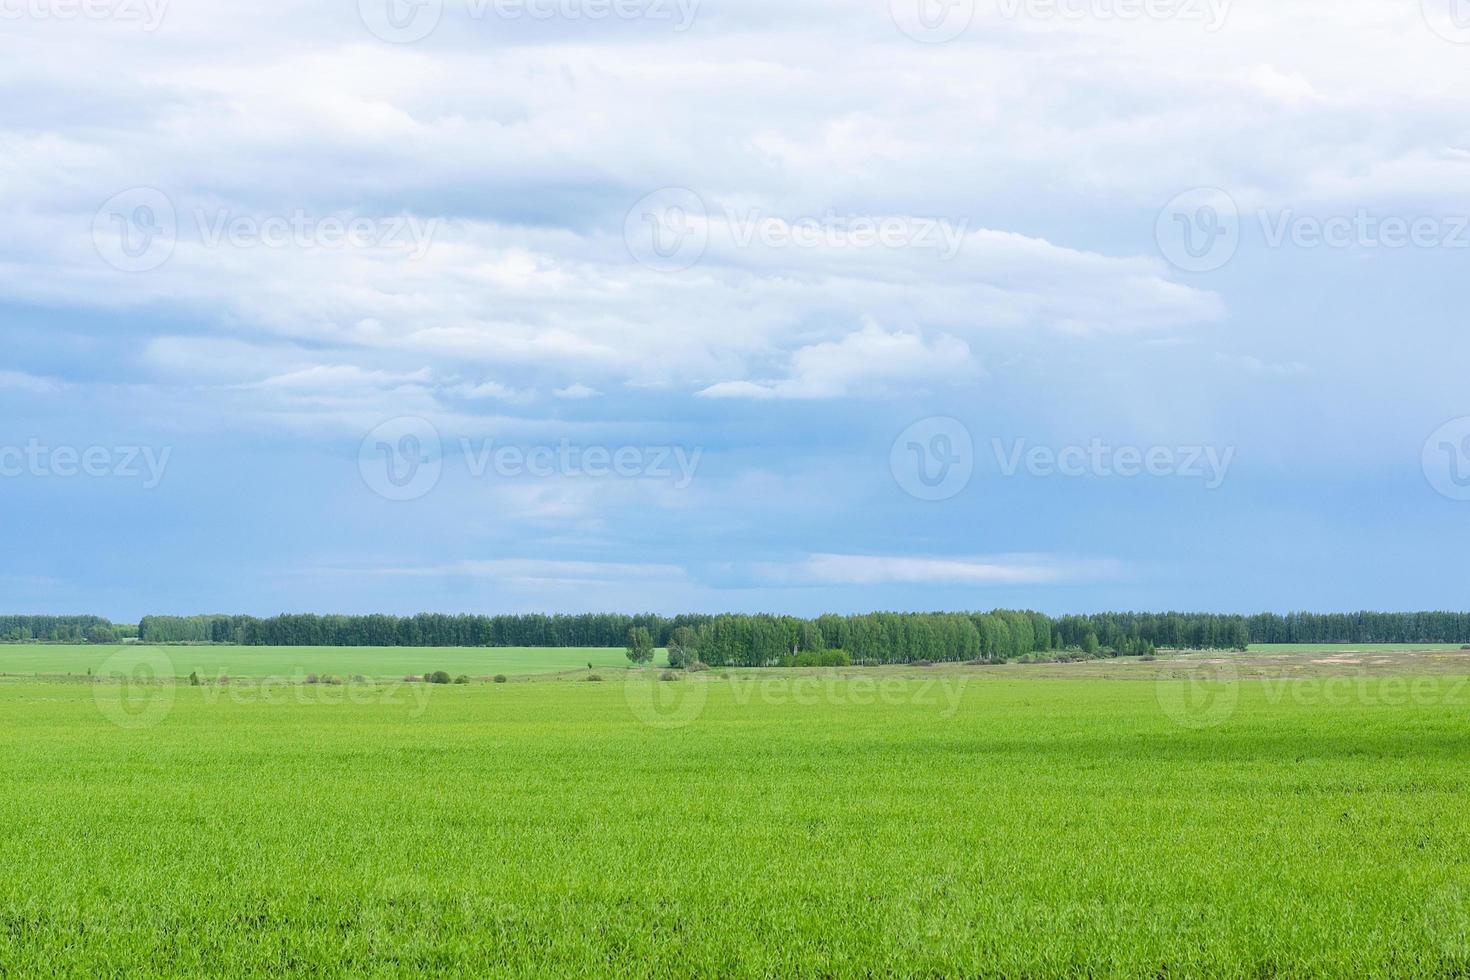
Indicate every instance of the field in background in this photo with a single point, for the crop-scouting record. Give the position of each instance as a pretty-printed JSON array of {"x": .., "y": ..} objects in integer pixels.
[
  {"x": 375, "y": 662},
  {"x": 922, "y": 821}
]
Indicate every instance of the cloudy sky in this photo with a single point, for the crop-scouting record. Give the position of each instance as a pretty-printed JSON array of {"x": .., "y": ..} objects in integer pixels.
[{"x": 789, "y": 305}]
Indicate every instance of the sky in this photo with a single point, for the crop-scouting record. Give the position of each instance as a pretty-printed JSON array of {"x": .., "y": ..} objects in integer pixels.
[{"x": 696, "y": 305}]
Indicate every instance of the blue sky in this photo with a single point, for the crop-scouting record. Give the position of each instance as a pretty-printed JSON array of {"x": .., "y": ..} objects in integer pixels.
[{"x": 823, "y": 305}]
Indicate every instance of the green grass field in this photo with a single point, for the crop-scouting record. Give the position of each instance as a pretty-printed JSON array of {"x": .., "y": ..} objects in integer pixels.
[
  {"x": 942, "y": 822},
  {"x": 375, "y": 662}
]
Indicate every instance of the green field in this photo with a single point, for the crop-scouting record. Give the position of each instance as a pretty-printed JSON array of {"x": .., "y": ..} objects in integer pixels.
[
  {"x": 374, "y": 662},
  {"x": 941, "y": 822}
]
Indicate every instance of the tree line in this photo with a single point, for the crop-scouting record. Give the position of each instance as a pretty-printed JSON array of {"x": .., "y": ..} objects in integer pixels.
[
  {"x": 749, "y": 640},
  {"x": 1360, "y": 627},
  {"x": 732, "y": 639},
  {"x": 62, "y": 629}
]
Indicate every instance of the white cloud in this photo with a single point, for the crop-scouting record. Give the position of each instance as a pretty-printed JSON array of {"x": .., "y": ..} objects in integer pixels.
[
  {"x": 830, "y": 569},
  {"x": 29, "y": 383},
  {"x": 868, "y": 362},
  {"x": 576, "y": 392}
]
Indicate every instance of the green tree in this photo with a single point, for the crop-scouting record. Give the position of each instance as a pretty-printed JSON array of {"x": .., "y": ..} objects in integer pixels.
[
  {"x": 683, "y": 647},
  {"x": 640, "y": 645}
]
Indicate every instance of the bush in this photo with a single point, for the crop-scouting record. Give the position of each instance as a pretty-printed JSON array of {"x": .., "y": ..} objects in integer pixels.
[
  {"x": 668, "y": 675},
  {"x": 923, "y": 663},
  {"x": 194, "y": 680},
  {"x": 438, "y": 677},
  {"x": 359, "y": 679},
  {"x": 331, "y": 679},
  {"x": 413, "y": 679},
  {"x": 696, "y": 667},
  {"x": 311, "y": 679},
  {"x": 462, "y": 679},
  {"x": 501, "y": 679},
  {"x": 594, "y": 677}
]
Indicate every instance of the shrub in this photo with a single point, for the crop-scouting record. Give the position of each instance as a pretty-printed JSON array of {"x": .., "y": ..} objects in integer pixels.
[
  {"x": 668, "y": 675},
  {"x": 594, "y": 677},
  {"x": 438, "y": 677},
  {"x": 501, "y": 679},
  {"x": 412, "y": 679},
  {"x": 331, "y": 679},
  {"x": 462, "y": 679},
  {"x": 194, "y": 680},
  {"x": 696, "y": 667},
  {"x": 923, "y": 663},
  {"x": 359, "y": 679},
  {"x": 311, "y": 679}
]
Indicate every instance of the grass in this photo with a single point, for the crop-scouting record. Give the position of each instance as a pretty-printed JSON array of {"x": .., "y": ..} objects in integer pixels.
[
  {"x": 379, "y": 662},
  {"x": 950, "y": 821}
]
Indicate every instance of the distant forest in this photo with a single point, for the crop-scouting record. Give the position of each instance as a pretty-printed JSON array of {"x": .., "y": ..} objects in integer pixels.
[{"x": 756, "y": 640}]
